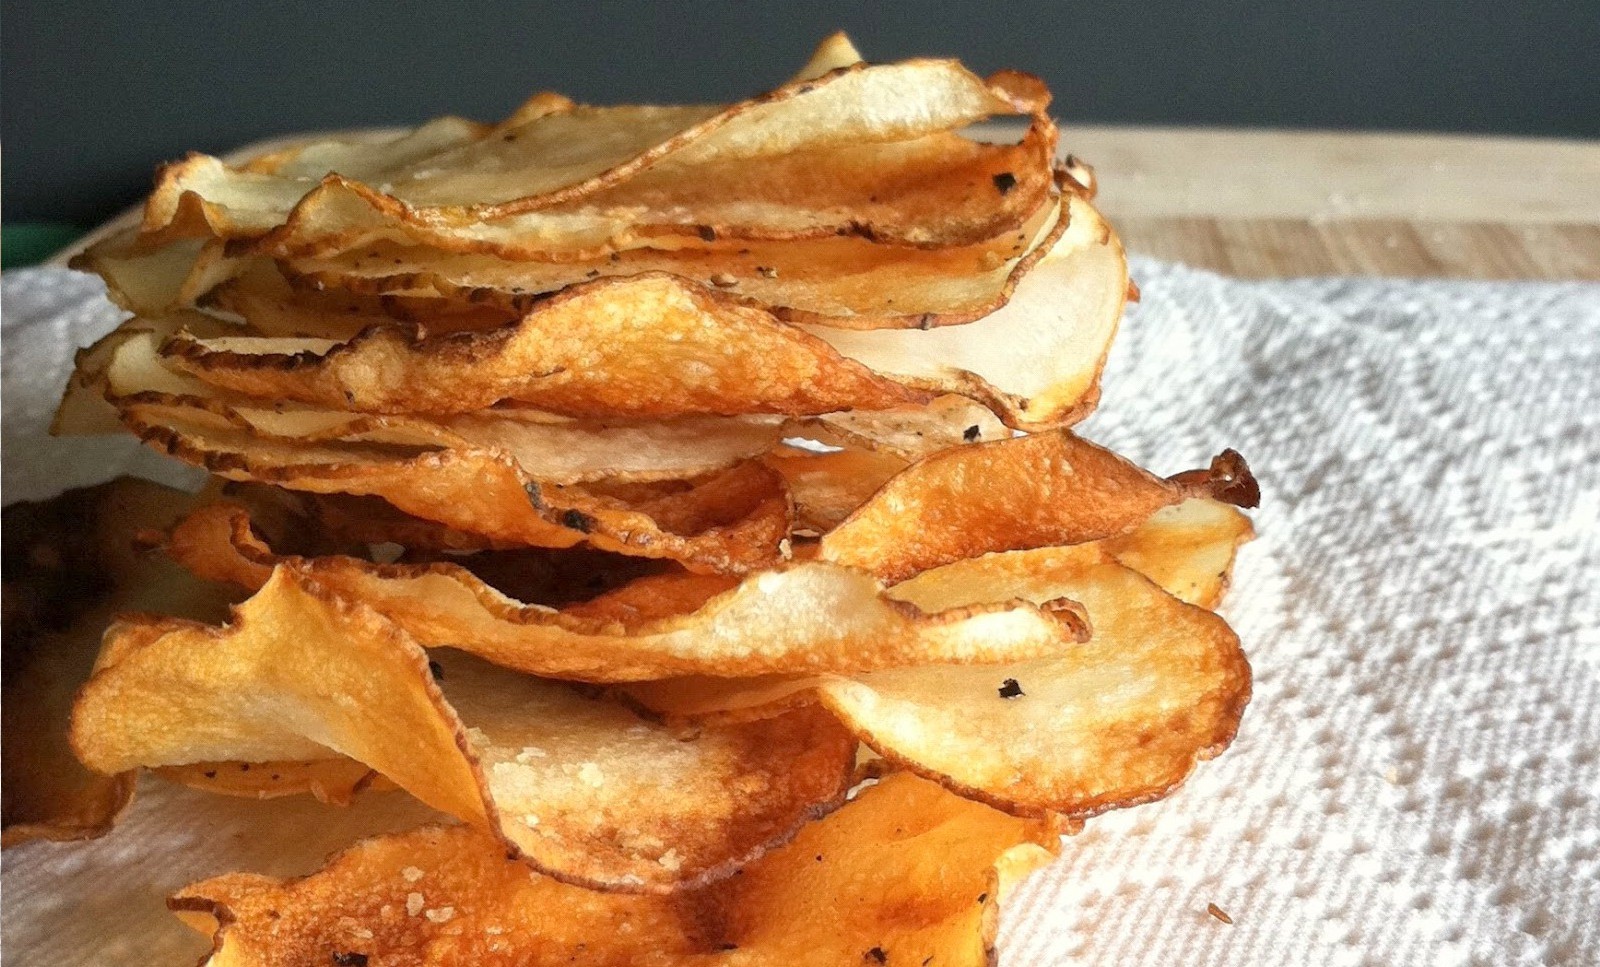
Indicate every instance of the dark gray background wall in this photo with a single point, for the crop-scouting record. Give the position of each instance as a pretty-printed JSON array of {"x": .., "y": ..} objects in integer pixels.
[{"x": 94, "y": 94}]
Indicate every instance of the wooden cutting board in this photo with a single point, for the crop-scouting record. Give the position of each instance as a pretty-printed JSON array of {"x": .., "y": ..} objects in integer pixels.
[{"x": 1260, "y": 203}]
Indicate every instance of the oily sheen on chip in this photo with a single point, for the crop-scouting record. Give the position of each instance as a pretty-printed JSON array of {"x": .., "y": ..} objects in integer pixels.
[{"x": 684, "y": 499}]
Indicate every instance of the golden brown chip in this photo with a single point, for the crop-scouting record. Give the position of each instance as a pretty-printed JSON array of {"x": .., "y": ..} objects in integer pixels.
[
  {"x": 646, "y": 346},
  {"x": 1187, "y": 548},
  {"x": 905, "y": 874},
  {"x": 835, "y": 281},
  {"x": 808, "y": 616},
  {"x": 731, "y": 521},
  {"x": 597, "y": 350},
  {"x": 70, "y": 563},
  {"x": 583, "y": 789},
  {"x": 559, "y": 153},
  {"x": 1032, "y": 491},
  {"x": 268, "y": 306},
  {"x": 1117, "y": 721},
  {"x": 936, "y": 191}
]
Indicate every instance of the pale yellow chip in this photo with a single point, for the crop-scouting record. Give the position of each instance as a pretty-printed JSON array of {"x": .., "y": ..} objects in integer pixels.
[
  {"x": 905, "y": 874},
  {"x": 581, "y": 788},
  {"x": 807, "y": 616},
  {"x": 1119, "y": 720}
]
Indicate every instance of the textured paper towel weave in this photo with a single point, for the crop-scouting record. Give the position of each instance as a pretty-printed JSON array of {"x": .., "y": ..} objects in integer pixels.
[{"x": 1418, "y": 777}]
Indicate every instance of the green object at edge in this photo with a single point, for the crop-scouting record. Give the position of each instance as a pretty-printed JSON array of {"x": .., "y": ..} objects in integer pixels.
[{"x": 29, "y": 243}]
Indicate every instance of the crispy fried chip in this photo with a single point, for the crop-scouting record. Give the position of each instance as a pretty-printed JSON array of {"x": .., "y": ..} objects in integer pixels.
[
  {"x": 583, "y": 789},
  {"x": 70, "y": 563},
  {"x": 835, "y": 281},
  {"x": 1032, "y": 491},
  {"x": 905, "y": 874},
  {"x": 561, "y": 153},
  {"x": 546, "y": 447},
  {"x": 1117, "y": 721},
  {"x": 151, "y": 281},
  {"x": 808, "y": 616},
  {"x": 647, "y": 346},
  {"x": 939, "y": 190},
  {"x": 730, "y": 521},
  {"x": 1187, "y": 548},
  {"x": 598, "y": 350},
  {"x": 909, "y": 432}
]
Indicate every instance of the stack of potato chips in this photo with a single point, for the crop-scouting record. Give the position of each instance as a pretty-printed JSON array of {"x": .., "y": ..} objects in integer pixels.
[{"x": 634, "y": 483}]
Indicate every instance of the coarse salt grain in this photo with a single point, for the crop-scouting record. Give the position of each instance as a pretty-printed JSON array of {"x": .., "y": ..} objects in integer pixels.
[{"x": 413, "y": 904}]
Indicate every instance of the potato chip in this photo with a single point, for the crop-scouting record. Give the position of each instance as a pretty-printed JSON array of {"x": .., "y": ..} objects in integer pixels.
[
  {"x": 905, "y": 874},
  {"x": 1119, "y": 720},
  {"x": 730, "y": 521},
  {"x": 583, "y": 789},
  {"x": 267, "y": 305},
  {"x": 567, "y": 153},
  {"x": 1034, "y": 361},
  {"x": 1032, "y": 491},
  {"x": 1188, "y": 549},
  {"x": 936, "y": 191},
  {"x": 597, "y": 350},
  {"x": 836, "y": 281},
  {"x": 152, "y": 281},
  {"x": 70, "y": 563},
  {"x": 646, "y": 346},
  {"x": 807, "y": 616},
  {"x": 544, "y": 446},
  {"x": 908, "y": 432}
]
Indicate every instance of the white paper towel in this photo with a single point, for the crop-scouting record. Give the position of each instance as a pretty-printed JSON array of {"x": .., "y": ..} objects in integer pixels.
[{"x": 1418, "y": 777}]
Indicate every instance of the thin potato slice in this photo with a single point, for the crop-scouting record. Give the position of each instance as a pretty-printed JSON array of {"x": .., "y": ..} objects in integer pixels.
[
  {"x": 936, "y": 191},
  {"x": 569, "y": 153},
  {"x": 268, "y": 306},
  {"x": 804, "y": 617},
  {"x": 835, "y": 281},
  {"x": 908, "y": 432},
  {"x": 581, "y": 788},
  {"x": 160, "y": 279},
  {"x": 646, "y": 346},
  {"x": 1036, "y": 360},
  {"x": 598, "y": 350},
  {"x": 905, "y": 874},
  {"x": 1119, "y": 721},
  {"x": 1032, "y": 491},
  {"x": 732, "y": 521},
  {"x": 544, "y": 446},
  {"x": 70, "y": 563},
  {"x": 828, "y": 487},
  {"x": 1188, "y": 549}
]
